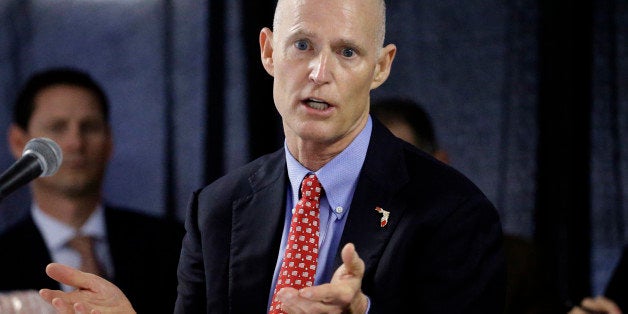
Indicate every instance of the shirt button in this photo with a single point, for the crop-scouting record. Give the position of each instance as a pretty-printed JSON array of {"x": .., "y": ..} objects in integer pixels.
[{"x": 339, "y": 210}]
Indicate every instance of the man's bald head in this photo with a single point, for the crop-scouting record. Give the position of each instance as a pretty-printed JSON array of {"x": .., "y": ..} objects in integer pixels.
[{"x": 379, "y": 14}]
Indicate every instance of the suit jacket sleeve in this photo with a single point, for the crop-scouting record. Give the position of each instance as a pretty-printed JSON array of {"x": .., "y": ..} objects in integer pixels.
[
  {"x": 233, "y": 234},
  {"x": 191, "y": 275}
]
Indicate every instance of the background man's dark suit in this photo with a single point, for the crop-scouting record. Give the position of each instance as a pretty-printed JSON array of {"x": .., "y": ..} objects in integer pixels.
[
  {"x": 144, "y": 250},
  {"x": 440, "y": 252}
]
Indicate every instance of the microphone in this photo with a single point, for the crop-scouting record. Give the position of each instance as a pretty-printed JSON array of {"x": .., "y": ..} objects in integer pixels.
[{"x": 41, "y": 157}]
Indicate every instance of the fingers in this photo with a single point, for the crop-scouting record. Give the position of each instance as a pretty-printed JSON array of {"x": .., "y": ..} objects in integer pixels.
[
  {"x": 46, "y": 294},
  {"x": 577, "y": 310},
  {"x": 335, "y": 294},
  {"x": 344, "y": 292},
  {"x": 50, "y": 295},
  {"x": 80, "y": 308},
  {"x": 61, "y": 306},
  {"x": 62, "y": 301},
  {"x": 292, "y": 302},
  {"x": 601, "y": 304}
]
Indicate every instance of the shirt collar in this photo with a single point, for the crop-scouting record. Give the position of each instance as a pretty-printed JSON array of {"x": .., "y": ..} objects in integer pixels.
[
  {"x": 339, "y": 176},
  {"x": 56, "y": 233}
]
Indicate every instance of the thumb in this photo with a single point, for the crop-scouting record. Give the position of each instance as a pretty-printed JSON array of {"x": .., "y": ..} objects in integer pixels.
[
  {"x": 72, "y": 277},
  {"x": 354, "y": 265}
]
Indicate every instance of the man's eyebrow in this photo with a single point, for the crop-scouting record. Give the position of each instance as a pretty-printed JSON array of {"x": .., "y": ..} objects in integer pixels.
[
  {"x": 300, "y": 33},
  {"x": 348, "y": 43},
  {"x": 343, "y": 42}
]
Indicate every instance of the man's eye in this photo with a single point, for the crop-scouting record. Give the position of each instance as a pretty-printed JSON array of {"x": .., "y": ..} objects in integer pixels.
[
  {"x": 301, "y": 45},
  {"x": 348, "y": 52},
  {"x": 94, "y": 127},
  {"x": 56, "y": 128}
]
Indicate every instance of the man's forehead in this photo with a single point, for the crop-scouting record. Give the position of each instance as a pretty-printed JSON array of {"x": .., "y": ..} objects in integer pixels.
[
  {"x": 290, "y": 10},
  {"x": 58, "y": 108},
  {"x": 336, "y": 17}
]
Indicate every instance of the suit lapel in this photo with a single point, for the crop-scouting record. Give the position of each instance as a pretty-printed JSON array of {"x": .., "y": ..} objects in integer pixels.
[
  {"x": 254, "y": 253},
  {"x": 256, "y": 234},
  {"x": 382, "y": 175},
  {"x": 25, "y": 258}
]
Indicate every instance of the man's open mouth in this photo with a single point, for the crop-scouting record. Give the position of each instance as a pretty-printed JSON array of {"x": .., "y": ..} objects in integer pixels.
[{"x": 316, "y": 104}]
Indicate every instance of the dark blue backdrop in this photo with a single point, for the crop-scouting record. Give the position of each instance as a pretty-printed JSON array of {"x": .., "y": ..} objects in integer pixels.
[{"x": 473, "y": 64}]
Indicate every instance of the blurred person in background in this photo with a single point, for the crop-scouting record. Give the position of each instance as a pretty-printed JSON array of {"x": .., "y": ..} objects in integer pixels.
[
  {"x": 69, "y": 222},
  {"x": 525, "y": 293}
]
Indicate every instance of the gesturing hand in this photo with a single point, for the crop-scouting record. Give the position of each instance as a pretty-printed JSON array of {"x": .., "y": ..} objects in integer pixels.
[
  {"x": 343, "y": 294},
  {"x": 93, "y": 294},
  {"x": 596, "y": 305}
]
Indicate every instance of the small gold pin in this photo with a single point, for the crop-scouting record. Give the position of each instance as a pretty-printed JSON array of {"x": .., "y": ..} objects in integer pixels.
[{"x": 385, "y": 214}]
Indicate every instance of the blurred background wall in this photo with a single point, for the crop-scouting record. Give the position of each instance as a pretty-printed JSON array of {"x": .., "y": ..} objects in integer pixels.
[{"x": 530, "y": 99}]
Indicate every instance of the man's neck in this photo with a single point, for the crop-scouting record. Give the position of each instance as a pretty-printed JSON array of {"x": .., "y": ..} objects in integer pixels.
[
  {"x": 73, "y": 211},
  {"x": 314, "y": 155}
]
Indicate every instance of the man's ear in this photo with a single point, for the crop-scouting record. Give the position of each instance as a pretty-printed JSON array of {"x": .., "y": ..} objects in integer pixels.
[
  {"x": 17, "y": 140},
  {"x": 266, "y": 50},
  {"x": 382, "y": 68}
]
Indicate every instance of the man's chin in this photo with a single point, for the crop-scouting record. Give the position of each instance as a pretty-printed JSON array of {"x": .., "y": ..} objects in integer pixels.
[
  {"x": 80, "y": 191},
  {"x": 73, "y": 188}
]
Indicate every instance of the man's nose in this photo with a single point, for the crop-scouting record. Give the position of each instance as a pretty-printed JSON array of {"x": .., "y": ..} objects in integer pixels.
[
  {"x": 319, "y": 73},
  {"x": 72, "y": 139}
]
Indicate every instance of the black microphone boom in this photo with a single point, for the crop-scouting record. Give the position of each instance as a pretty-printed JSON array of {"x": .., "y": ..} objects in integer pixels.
[{"x": 41, "y": 157}]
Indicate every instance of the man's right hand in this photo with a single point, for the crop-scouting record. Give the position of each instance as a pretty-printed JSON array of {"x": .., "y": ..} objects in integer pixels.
[{"x": 93, "y": 294}]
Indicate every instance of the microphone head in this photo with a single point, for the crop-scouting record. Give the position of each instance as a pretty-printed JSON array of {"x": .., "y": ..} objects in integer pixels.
[{"x": 48, "y": 154}]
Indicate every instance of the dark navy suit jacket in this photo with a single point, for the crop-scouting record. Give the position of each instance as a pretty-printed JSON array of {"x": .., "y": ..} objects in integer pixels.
[
  {"x": 145, "y": 252},
  {"x": 441, "y": 251}
]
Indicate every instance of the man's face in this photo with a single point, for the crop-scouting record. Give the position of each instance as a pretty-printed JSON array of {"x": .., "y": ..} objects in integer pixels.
[
  {"x": 326, "y": 57},
  {"x": 71, "y": 116}
]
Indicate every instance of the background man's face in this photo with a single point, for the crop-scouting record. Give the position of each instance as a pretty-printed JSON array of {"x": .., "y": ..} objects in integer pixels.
[{"x": 71, "y": 116}]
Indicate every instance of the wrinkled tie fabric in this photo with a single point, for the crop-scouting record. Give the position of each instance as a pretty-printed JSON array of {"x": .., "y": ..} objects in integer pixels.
[
  {"x": 84, "y": 245},
  {"x": 301, "y": 257}
]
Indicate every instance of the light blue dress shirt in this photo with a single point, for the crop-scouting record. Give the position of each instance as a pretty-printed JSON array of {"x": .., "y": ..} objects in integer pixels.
[
  {"x": 56, "y": 235},
  {"x": 338, "y": 178}
]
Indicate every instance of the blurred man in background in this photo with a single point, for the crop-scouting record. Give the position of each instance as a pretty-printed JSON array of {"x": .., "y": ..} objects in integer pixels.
[
  {"x": 525, "y": 293},
  {"x": 69, "y": 222}
]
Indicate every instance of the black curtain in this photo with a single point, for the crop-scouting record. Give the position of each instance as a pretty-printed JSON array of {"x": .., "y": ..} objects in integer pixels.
[
  {"x": 265, "y": 132},
  {"x": 563, "y": 201},
  {"x": 214, "y": 167}
]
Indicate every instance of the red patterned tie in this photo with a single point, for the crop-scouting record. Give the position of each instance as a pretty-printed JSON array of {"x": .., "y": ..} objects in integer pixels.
[{"x": 299, "y": 262}]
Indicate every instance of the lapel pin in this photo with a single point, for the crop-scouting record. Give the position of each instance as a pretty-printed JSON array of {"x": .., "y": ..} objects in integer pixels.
[{"x": 385, "y": 214}]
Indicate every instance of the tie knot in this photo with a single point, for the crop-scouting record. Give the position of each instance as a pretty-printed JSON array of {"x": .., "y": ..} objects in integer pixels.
[
  {"x": 310, "y": 187},
  {"x": 82, "y": 243}
]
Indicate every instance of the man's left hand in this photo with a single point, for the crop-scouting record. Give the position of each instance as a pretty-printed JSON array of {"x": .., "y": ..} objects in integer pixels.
[{"x": 342, "y": 295}]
